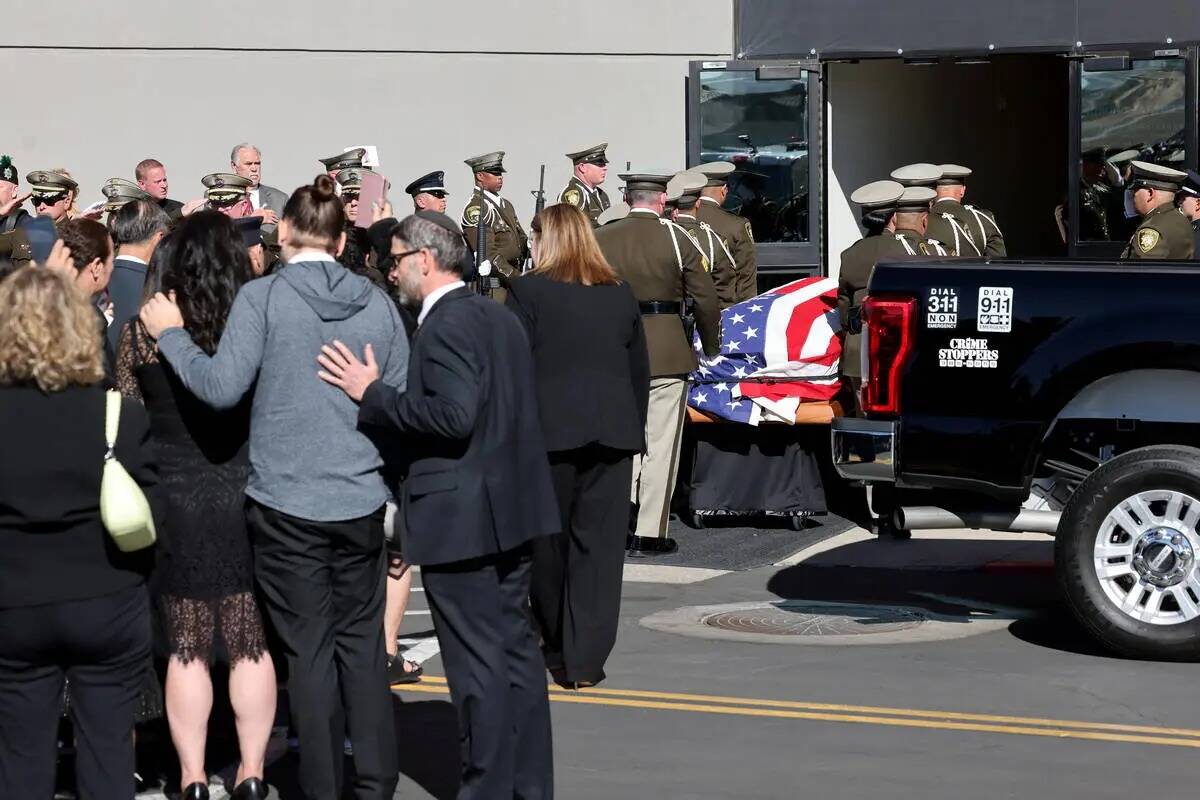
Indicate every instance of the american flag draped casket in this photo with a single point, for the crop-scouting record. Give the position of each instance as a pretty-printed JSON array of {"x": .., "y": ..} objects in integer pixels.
[{"x": 778, "y": 350}]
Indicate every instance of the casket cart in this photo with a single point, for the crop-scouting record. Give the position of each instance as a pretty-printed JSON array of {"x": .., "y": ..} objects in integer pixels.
[{"x": 756, "y": 442}]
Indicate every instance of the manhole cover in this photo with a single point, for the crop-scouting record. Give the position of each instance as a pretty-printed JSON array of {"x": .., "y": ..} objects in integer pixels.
[{"x": 801, "y": 619}]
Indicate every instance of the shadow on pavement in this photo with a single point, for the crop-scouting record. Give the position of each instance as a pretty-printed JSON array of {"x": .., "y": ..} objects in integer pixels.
[{"x": 427, "y": 733}]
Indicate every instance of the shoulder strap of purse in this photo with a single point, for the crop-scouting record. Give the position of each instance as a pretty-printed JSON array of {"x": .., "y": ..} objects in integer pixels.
[{"x": 112, "y": 420}]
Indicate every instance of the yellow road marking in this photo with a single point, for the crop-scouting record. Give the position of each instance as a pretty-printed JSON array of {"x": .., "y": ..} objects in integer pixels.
[{"x": 898, "y": 717}]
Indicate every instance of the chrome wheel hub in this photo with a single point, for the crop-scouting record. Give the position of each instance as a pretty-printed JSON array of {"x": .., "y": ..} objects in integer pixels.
[
  {"x": 1163, "y": 557},
  {"x": 1145, "y": 557}
]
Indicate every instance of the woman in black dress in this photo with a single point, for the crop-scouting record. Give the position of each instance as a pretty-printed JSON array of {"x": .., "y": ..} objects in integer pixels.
[
  {"x": 205, "y": 583},
  {"x": 593, "y": 385}
]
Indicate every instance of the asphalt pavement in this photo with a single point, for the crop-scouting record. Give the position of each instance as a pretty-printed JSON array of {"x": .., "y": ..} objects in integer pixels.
[{"x": 940, "y": 667}]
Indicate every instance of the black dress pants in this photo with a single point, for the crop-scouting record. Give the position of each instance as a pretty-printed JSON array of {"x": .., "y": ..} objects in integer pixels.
[
  {"x": 496, "y": 675},
  {"x": 322, "y": 583},
  {"x": 102, "y": 645},
  {"x": 577, "y": 573}
]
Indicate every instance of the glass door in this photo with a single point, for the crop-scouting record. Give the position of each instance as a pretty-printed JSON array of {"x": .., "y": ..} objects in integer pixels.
[
  {"x": 764, "y": 117},
  {"x": 1125, "y": 105}
]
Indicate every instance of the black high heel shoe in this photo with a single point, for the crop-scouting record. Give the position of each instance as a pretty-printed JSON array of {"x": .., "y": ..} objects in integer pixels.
[
  {"x": 250, "y": 789},
  {"x": 196, "y": 791}
]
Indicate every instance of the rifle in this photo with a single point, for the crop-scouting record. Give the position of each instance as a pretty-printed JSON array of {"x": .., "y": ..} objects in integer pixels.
[
  {"x": 539, "y": 202},
  {"x": 485, "y": 287},
  {"x": 540, "y": 194}
]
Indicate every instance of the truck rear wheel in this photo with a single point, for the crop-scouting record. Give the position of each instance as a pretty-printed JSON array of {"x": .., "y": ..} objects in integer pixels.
[{"x": 1128, "y": 553}]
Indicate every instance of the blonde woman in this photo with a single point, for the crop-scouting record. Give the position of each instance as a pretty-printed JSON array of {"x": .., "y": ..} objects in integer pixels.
[
  {"x": 592, "y": 374},
  {"x": 71, "y": 605}
]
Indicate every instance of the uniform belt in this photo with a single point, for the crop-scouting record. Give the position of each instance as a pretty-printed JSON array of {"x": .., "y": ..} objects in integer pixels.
[{"x": 659, "y": 307}]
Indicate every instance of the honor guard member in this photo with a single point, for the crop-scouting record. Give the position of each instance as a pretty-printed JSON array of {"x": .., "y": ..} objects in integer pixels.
[
  {"x": 349, "y": 181},
  {"x": 429, "y": 192},
  {"x": 14, "y": 245},
  {"x": 909, "y": 238},
  {"x": 583, "y": 190},
  {"x": 926, "y": 176},
  {"x": 878, "y": 203},
  {"x": 1189, "y": 205},
  {"x": 118, "y": 191},
  {"x": 684, "y": 192},
  {"x": 734, "y": 230},
  {"x": 1164, "y": 232},
  {"x": 50, "y": 193},
  {"x": 350, "y": 158},
  {"x": 972, "y": 230},
  {"x": 659, "y": 261},
  {"x": 227, "y": 193},
  {"x": 506, "y": 242}
]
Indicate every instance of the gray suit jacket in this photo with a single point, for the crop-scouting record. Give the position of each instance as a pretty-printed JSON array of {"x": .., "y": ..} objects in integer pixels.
[{"x": 272, "y": 198}]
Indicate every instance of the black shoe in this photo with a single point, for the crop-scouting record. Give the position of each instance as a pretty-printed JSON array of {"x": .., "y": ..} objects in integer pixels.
[
  {"x": 398, "y": 674},
  {"x": 650, "y": 546},
  {"x": 196, "y": 791},
  {"x": 250, "y": 789}
]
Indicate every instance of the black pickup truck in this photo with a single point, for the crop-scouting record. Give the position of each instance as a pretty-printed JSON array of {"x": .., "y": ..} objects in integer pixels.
[{"x": 1077, "y": 383}]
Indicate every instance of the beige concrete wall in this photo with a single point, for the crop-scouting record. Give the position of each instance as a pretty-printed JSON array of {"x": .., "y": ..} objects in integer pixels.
[{"x": 125, "y": 80}]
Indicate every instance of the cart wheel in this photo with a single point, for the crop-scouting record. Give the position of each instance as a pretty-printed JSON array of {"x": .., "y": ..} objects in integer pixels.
[{"x": 885, "y": 529}]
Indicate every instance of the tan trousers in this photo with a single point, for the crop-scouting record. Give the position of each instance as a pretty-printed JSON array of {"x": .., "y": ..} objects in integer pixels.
[{"x": 654, "y": 473}]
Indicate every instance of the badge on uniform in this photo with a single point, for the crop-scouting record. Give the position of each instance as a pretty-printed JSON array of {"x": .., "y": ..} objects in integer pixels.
[
  {"x": 749, "y": 233},
  {"x": 1147, "y": 239},
  {"x": 471, "y": 215},
  {"x": 573, "y": 197}
]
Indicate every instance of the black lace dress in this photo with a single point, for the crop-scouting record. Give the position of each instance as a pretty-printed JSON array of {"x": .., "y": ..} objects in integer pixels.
[{"x": 204, "y": 585}]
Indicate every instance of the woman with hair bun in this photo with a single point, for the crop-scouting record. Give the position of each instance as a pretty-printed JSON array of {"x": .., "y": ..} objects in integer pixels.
[{"x": 315, "y": 493}]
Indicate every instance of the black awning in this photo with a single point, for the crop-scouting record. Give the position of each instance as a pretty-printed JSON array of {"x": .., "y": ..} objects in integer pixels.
[{"x": 830, "y": 28}]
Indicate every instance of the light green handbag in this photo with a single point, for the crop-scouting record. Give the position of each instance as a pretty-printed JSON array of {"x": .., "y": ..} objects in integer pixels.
[{"x": 123, "y": 506}]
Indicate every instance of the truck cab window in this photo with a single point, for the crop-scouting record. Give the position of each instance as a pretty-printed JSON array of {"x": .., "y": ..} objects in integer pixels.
[
  {"x": 1138, "y": 109},
  {"x": 761, "y": 126}
]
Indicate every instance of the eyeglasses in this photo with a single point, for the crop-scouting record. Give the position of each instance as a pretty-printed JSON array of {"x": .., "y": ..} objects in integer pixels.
[
  {"x": 398, "y": 257},
  {"x": 43, "y": 200}
]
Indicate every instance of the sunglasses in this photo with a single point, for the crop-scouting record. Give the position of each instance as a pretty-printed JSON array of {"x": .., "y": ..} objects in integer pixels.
[
  {"x": 438, "y": 194},
  {"x": 44, "y": 200},
  {"x": 349, "y": 195}
]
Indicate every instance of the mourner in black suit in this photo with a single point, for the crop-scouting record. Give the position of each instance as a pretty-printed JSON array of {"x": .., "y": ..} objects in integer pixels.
[
  {"x": 478, "y": 490},
  {"x": 71, "y": 605},
  {"x": 592, "y": 375}
]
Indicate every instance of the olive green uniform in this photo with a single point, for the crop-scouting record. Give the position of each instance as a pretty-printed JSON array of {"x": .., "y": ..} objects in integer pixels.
[
  {"x": 855, "y": 273},
  {"x": 659, "y": 261},
  {"x": 592, "y": 202},
  {"x": 736, "y": 233},
  {"x": 965, "y": 230},
  {"x": 720, "y": 258},
  {"x": 1164, "y": 234},
  {"x": 506, "y": 244},
  {"x": 14, "y": 244}
]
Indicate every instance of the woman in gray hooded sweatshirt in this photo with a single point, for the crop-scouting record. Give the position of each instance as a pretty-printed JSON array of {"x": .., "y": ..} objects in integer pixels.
[{"x": 316, "y": 496}]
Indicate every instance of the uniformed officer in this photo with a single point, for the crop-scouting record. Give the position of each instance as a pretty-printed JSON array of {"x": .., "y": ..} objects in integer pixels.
[
  {"x": 13, "y": 243},
  {"x": 429, "y": 192},
  {"x": 350, "y": 158},
  {"x": 50, "y": 193},
  {"x": 972, "y": 231},
  {"x": 911, "y": 221},
  {"x": 228, "y": 193},
  {"x": 350, "y": 182},
  {"x": 659, "y": 261},
  {"x": 583, "y": 190},
  {"x": 926, "y": 176},
  {"x": 729, "y": 226},
  {"x": 1189, "y": 205},
  {"x": 118, "y": 191},
  {"x": 878, "y": 203},
  {"x": 684, "y": 192},
  {"x": 507, "y": 246},
  {"x": 1164, "y": 232}
]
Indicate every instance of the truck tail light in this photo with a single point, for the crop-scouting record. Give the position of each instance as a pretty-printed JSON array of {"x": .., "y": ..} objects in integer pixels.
[{"x": 889, "y": 322}]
